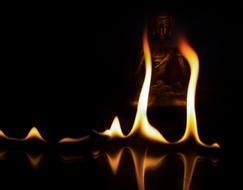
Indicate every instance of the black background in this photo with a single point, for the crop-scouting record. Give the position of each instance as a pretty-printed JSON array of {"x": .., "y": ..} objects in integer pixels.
[{"x": 70, "y": 71}]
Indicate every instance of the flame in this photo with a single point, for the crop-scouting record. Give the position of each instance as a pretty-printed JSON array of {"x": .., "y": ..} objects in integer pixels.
[
  {"x": 73, "y": 140},
  {"x": 33, "y": 134},
  {"x": 142, "y": 163},
  {"x": 191, "y": 131},
  {"x": 141, "y": 124},
  {"x": 115, "y": 130}
]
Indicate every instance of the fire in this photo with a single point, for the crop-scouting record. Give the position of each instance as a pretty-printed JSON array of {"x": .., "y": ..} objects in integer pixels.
[
  {"x": 115, "y": 130},
  {"x": 191, "y": 131},
  {"x": 33, "y": 134},
  {"x": 73, "y": 140},
  {"x": 142, "y": 163},
  {"x": 141, "y": 124}
]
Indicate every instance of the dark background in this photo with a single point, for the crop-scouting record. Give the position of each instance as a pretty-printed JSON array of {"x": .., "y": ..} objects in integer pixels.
[{"x": 68, "y": 72}]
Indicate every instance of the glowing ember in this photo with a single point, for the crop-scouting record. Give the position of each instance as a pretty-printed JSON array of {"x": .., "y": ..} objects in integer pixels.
[
  {"x": 73, "y": 140},
  {"x": 191, "y": 131},
  {"x": 33, "y": 134}
]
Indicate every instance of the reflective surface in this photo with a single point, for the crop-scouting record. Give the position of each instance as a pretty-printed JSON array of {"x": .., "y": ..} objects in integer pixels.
[{"x": 128, "y": 167}]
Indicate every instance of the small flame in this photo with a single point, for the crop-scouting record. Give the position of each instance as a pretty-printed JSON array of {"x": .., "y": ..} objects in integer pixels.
[
  {"x": 191, "y": 131},
  {"x": 73, "y": 140},
  {"x": 33, "y": 134},
  {"x": 142, "y": 163},
  {"x": 115, "y": 130}
]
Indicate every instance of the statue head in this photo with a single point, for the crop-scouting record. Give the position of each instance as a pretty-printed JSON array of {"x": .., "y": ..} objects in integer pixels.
[{"x": 161, "y": 27}]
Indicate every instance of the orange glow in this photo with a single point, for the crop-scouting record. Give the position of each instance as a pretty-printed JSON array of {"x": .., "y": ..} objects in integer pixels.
[
  {"x": 114, "y": 160},
  {"x": 2, "y": 155},
  {"x": 141, "y": 124},
  {"x": 191, "y": 131},
  {"x": 34, "y": 160},
  {"x": 190, "y": 161},
  {"x": 73, "y": 140},
  {"x": 142, "y": 163},
  {"x": 33, "y": 134}
]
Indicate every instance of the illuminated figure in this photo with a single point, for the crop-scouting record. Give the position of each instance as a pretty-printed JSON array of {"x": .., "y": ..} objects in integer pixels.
[{"x": 170, "y": 71}]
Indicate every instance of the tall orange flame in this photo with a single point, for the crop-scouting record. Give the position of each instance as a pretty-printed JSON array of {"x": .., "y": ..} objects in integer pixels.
[
  {"x": 191, "y": 131},
  {"x": 141, "y": 124},
  {"x": 33, "y": 134},
  {"x": 142, "y": 163}
]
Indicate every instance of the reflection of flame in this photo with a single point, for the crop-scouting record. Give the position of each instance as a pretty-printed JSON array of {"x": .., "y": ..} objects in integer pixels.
[
  {"x": 73, "y": 140},
  {"x": 141, "y": 124},
  {"x": 142, "y": 163},
  {"x": 114, "y": 160},
  {"x": 191, "y": 122},
  {"x": 189, "y": 162},
  {"x": 2, "y": 155},
  {"x": 33, "y": 134},
  {"x": 34, "y": 160}
]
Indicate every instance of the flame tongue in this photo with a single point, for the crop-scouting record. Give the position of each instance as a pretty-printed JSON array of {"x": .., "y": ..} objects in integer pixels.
[
  {"x": 141, "y": 123},
  {"x": 34, "y": 134},
  {"x": 115, "y": 130},
  {"x": 191, "y": 122}
]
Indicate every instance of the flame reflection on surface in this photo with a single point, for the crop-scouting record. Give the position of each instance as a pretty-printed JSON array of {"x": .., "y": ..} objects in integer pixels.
[
  {"x": 35, "y": 160},
  {"x": 142, "y": 163}
]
